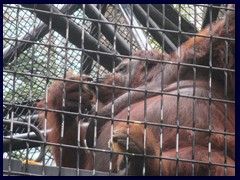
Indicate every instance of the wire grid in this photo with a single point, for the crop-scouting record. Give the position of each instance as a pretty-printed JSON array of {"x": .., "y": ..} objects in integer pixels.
[
  {"x": 49, "y": 57},
  {"x": 34, "y": 61}
]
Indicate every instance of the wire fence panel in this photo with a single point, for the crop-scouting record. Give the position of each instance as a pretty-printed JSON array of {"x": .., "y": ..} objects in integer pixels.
[{"x": 118, "y": 89}]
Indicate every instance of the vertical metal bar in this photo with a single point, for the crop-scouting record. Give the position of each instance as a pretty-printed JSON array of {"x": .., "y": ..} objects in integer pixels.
[
  {"x": 194, "y": 90},
  {"x": 131, "y": 22},
  {"x": 210, "y": 93},
  {"x": 30, "y": 96},
  {"x": 178, "y": 93},
  {"x": 78, "y": 144},
  {"x": 63, "y": 105},
  {"x": 206, "y": 18},
  {"x": 13, "y": 91},
  {"x": 113, "y": 90},
  {"x": 97, "y": 98},
  {"x": 80, "y": 89},
  {"x": 161, "y": 101},
  {"x": 98, "y": 36},
  {"x": 225, "y": 94},
  {"x": 145, "y": 96},
  {"x": 97, "y": 93},
  {"x": 38, "y": 34},
  {"x": 113, "y": 83},
  {"x": 32, "y": 63}
]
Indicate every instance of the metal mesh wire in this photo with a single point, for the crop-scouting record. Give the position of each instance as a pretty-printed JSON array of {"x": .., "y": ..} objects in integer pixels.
[{"x": 27, "y": 73}]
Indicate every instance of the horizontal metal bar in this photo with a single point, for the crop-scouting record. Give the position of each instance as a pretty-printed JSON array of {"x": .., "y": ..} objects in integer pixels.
[{"x": 15, "y": 167}]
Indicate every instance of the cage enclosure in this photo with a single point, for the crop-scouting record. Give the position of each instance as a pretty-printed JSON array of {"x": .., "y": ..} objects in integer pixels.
[{"x": 118, "y": 89}]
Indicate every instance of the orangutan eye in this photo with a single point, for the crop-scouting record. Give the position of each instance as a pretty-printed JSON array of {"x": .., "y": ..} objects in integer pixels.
[{"x": 122, "y": 68}]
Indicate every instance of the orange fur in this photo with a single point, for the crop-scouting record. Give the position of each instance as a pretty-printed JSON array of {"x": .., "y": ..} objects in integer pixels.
[{"x": 172, "y": 111}]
